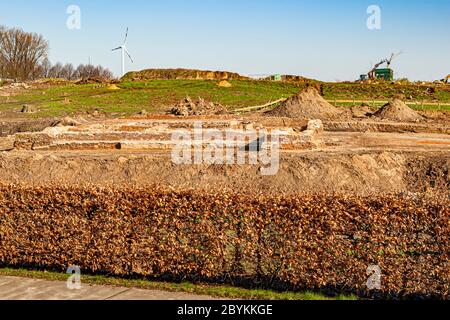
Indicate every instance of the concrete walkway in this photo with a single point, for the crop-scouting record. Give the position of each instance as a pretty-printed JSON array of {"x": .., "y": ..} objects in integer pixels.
[{"x": 12, "y": 288}]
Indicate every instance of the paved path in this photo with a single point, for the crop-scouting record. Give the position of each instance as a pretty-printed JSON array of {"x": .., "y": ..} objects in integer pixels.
[{"x": 12, "y": 288}]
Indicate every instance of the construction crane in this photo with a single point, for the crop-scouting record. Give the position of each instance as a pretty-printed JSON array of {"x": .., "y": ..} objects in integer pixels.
[
  {"x": 371, "y": 73},
  {"x": 387, "y": 74}
]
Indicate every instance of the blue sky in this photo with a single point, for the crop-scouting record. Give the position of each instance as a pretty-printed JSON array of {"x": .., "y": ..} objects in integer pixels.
[{"x": 322, "y": 39}]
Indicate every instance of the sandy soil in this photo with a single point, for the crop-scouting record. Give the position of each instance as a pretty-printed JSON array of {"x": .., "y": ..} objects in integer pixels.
[{"x": 138, "y": 152}]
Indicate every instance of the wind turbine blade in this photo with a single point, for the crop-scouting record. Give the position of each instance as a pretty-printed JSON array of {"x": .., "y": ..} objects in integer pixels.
[
  {"x": 126, "y": 36},
  {"x": 116, "y": 49},
  {"x": 128, "y": 54}
]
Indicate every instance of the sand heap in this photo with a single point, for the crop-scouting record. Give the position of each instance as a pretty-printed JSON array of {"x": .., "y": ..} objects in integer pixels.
[
  {"x": 113, "y": 87},
  {"x": 224, "y": 84},
  {"x": 201, "y": 107},
  {"x": 397, "y": 110},
  {"x": 306, "y": 104}
]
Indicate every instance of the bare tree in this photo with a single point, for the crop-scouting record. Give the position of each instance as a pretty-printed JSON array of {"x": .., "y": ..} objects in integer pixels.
[
  {"x": 90, "y": 71},
  {"x": 2, "y": 58},
  {"x": 107, "y": 74},
  {"x": 80, "y": 72},
  {"x": 56, "y": 71},
  {"x": 68, "y": 71},
  {"x": 21, "y": 53},
  {"x": 24, "y": 56},
  {"x": 46, "y": 65}
]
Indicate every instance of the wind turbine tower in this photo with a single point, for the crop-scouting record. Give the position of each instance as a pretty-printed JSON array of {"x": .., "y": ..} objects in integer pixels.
[{"x": 124, "y": 50}]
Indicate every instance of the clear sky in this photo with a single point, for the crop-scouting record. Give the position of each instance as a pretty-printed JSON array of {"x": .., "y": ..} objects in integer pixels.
[{"x": 323, "y": 39}]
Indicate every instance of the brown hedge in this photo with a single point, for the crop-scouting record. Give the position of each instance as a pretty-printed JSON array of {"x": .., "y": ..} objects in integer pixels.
[{"x": 307, "y": 241}]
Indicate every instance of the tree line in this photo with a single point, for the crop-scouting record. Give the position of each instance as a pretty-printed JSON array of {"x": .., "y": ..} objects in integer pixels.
[
  {"x": 69, "y": 72},
  {"x": 24, "y": 56}
]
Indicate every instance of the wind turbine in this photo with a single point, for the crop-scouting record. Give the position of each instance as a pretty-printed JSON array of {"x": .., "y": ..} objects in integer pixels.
[{"x": 123, "y": 47}]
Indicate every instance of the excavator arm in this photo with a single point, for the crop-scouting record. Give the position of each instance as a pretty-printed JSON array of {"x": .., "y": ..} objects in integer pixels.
[
  {"x": 446, "y": 80},
  {"x": 371, "y": 73}
]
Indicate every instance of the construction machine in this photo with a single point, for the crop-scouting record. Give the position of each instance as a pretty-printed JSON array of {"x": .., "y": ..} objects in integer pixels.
[
  {"x": 446, "y": 79},
  {"x": 382, "y": 73}
]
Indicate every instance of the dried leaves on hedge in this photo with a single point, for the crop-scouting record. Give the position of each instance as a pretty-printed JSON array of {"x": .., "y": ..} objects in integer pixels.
[{"x": 308, "y": 241}]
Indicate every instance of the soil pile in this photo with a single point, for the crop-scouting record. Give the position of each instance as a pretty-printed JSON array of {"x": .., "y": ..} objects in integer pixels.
[
  {"x": 201, "y": 107},
  {"x": 397, "y": 110},
  {"x": 52, "y": 81},
  {"x": 15, "y": 86},
  {"x": 113, "y": 87},
  {"x": 20, "y": 125},
  {"x": 224, "y": 84},
  {"x": 306, "y": 104},
  {"x": 91, "y": 80},
  {"x": 362, "y": 111},
  {"x": 181, "y": 74}
]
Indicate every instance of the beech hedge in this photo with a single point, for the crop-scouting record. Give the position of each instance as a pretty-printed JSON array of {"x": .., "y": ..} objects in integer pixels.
[{"x": 307, "y": 241}]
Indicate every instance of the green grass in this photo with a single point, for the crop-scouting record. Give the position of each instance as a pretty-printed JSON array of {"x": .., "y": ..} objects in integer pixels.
[
  {"x": 385, "y": 91},
  {"x": 415, "y": 106},
  {"x": 156, "y": 95},
  {"x": 161, "y": 95},
  {"x": 217, "y": 291}
]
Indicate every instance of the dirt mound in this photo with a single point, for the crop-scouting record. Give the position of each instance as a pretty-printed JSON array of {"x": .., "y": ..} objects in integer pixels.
[
  {"x": 397, "y": 110},
  {"x": 181, "y": 74},
  {"x": 29, "y": 125},
  {"x": 52, "y": 81},
  {"x": 201, "y": 107},
  {"x": 113, "y": 87},
  {"x": 91, "y": 80},
  {"x": 15, "y": 86},
  {"x": 306, "y": 104},
  {"x": 224, "y": 84},
  {"x": 362, "y": 111}
]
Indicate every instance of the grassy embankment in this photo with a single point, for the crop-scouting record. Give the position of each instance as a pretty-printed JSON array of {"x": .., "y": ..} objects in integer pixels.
[{"x": 160, "y": 95}]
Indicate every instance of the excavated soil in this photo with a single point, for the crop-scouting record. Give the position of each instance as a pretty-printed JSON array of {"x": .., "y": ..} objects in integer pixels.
[
  {"x": 307, "y": 104},
  {"x": 397, "y": 110},
  {"x": 181, "y": 74},
  {"x": 357, "y": 156},
  {"x": 138, "y": 152},
  {"x": 199, "y": 107},
  {"x": 361, "y": 173},
  {"x": 21, "y": 125}
]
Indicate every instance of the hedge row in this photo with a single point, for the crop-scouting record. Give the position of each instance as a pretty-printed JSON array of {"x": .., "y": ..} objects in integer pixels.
[{"x": 308, "y": 241}]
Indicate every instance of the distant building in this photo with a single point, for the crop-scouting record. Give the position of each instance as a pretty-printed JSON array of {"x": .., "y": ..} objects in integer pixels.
[
  {"x": 386, "y": 74},
  {"x": 277, "y": 77}
]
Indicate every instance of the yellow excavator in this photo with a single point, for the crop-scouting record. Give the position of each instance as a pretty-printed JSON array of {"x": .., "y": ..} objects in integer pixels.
[{"x": 446, "y": 79}]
